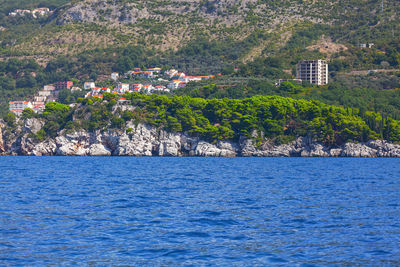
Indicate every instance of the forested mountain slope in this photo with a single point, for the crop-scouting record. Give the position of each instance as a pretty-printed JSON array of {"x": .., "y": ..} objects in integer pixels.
[{"x": 263, "y": 40}]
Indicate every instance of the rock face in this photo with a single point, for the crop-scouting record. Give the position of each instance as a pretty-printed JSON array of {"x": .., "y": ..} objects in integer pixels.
[{"x": 145, "y": 140}]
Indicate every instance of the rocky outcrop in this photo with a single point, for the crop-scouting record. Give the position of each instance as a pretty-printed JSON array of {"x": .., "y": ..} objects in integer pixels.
[
  {"x": 145, "y": 140},
  {"x": 220, "y": 149},
  {"x": 2, "y": 149}
]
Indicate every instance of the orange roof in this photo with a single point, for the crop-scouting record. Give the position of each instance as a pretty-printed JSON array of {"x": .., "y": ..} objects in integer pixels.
[
  {"x": 17, "y": 109},
  {"x": 99, "y": 96},
  {"x": 18, "y": 102}
]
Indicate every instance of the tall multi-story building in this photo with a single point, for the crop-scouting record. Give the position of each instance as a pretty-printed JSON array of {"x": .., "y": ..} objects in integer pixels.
[{"x": 313, "y": 71}]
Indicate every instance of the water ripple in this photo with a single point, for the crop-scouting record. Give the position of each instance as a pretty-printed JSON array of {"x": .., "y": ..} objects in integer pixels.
[{"x": 199, "y": 211}]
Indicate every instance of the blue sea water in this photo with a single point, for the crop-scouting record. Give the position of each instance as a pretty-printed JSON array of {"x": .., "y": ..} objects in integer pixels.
[{"x": 126, "y": 211}]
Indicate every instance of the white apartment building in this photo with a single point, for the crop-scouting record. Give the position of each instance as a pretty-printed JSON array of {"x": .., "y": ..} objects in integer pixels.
[
  {"x": 122, "y": 87},
  {"x": 313, "y": 71},
  {"x": 17, "y": 107},
  {"x": 89, "y": 85}
]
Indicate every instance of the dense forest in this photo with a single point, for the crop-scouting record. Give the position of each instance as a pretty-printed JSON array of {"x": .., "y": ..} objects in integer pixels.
[{"x": 279, "y": 118}]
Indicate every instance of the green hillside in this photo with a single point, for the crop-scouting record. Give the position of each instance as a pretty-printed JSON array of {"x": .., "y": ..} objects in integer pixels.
[
  {"x": 279, "y": 118},
  {"x": 86, "y": 40}
]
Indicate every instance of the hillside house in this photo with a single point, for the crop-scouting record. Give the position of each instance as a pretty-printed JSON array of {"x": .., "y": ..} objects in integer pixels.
[
  {"x": 49, "y": 87},
  {"x": 63, "y": 85},
  {"x": 38, "y": 108},
  {"x": 148, "y": 88},
  {"x": 89, "y": 85},
  {"x": 40, "y": 12},
  {"x": 171, "y": 73},
  {"x": 178, "y": 75},
  {"x": 155, "y": 70},
  {"x": 44, "y": 93},
  {"x": 17, "y": 107},
  {"x": 115, "y": 76},
  {"x": 367, "y": 45},
  {"x": 95, "y": 91},
  {"x": 135, "y": 87},
  {"x": 175, "y": 84},
  {"x": 187, "y": 79},
  {"x": 146, "y": 74},
  {"x": 122, "y": 87},
  {"x": 161, "y": 88}
]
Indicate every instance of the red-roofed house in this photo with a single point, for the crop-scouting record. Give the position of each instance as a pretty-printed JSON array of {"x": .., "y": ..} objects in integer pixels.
[{"x": 17, "y": 107}]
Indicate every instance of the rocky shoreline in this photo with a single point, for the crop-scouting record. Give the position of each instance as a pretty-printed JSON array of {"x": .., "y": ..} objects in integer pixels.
[{"x": 145, "y": 140}]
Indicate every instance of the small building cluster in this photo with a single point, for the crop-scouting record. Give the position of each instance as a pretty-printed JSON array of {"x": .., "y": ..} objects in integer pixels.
[
  {"x": 160, "y": 82},
  {"x": 49, "y": 93},
  {"x": 37, "y": 12},
  {"x": 122, "y": 88}
]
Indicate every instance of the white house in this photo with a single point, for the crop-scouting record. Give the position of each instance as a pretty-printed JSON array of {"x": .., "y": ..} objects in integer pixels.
[
  {"x": 178, "y": 75},
  {"x": 156, "y": 70},
  {"x": 105, "y": 90},
  {"x": 95, "y": 91},
  {"x": 122, "y": 87},
  {"x": 49, "y": 87},
  {"x": 171, "y": 73},
  {"x": 135, "y": 87},
  {"x": 175, "y": 84},
  {"x": 39, "y": 107},
  {"x": 114, "y": 76},
  {"x": 89, "y": 85},
  {"x": 17, "y": 107},
  {"x": 148, "y": 88}
]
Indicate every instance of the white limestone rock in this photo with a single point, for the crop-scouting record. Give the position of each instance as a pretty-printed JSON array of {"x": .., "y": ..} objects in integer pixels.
[
  {"x": 335, "y": 152},
  {"x": 46, "y": 148},
  {"x": 315, "y": 150},
  {"x": 169, "y": 144},
  {"x": 358, "y": 150},
  {"x": 33, "y": 125},
  {"x": 99, "y": 150},
  {"x": 385, "y": 149}
]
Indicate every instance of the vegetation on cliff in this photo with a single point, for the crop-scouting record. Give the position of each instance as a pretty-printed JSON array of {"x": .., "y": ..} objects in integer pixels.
[{"x": 278, "y": 118}]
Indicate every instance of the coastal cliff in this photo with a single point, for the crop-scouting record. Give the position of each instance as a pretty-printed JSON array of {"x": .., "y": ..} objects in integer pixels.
[{"x": 146, "y": 140}]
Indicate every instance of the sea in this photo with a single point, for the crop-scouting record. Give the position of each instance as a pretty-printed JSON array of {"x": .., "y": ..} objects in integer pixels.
[{"x": 130, "y": 211}]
